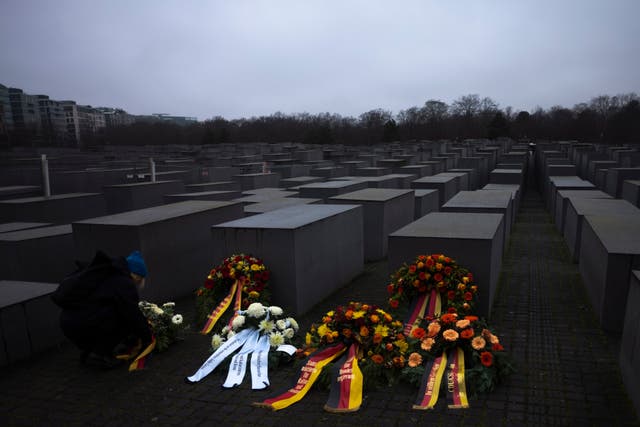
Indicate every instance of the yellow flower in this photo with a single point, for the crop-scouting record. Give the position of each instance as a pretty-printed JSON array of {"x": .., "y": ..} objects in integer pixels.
[
  {"x": 254, "y": 294},
  {"x": 358, "y": 314},
  {"x": 462, "y": 286},
  {"x": 465, "y": 280},
  {"x": 255, "y": 267},
  {"x": 232, "y": 273},
  {"x": 324, "y": 330},
  {"x": 421, "y": 265},
  {"x": 307, "y": 339},
  {"x": 382, "y": 330},
  {"x": 402, "y": 345},
  {"x": 438, "y": 266},
  {"x": 330, "y": 313}
]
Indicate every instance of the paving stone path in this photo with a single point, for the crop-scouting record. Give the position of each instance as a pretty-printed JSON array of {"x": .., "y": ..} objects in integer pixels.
[{"x": 567, "y": 368}]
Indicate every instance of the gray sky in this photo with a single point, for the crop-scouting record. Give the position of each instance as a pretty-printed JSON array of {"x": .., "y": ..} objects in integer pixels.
[{"x": 244, "y": 58}]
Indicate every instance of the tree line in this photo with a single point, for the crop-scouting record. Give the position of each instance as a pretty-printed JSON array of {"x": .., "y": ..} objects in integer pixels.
[{"x": 605, "y": 119}]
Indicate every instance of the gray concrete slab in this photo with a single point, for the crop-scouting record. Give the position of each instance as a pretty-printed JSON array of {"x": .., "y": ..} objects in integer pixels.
[
  {"x": 57, "y": 209},
  {"x": 577, "y": 208},
  {"x": 251, "y": 181},
  {"x": 609, "y": 251},
  {"x": 384, "y": 211},
  {"x": 561, "y": 204},
  {"x": 174, "y": 240},
  {"x": 43, "y": 254},
  {"x": 8, "y": 227},
  {"x": 324, "y": 190},
  {"x": 615, "y": 178},
  {"x": 446, "y": 185},
  {"x": 425, "y": 201},
  {"x": 202, "y": 195},
  {"x": 555, "y": 183},
  {"x": 139, "y": 195},
  {"x": 506, "y": 176},
  {"x": 630, "y": 341},
  {"x": 631, "y": 192},
  {"x": 311, "y": 250},
  {"x": 275, "y": 204},
  {"x": 474, "y": 240}
]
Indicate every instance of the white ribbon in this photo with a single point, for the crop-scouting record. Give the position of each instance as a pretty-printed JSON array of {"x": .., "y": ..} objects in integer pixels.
[
  {"x": 227, "y": 348},
  {"x": 260, "y": 364},
  {"x": 287, "y": 348},
  {"x": 238, "y": 365}
]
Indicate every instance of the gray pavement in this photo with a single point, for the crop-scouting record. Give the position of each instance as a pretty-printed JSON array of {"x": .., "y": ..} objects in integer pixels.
[{"x": 567, "y": 375}]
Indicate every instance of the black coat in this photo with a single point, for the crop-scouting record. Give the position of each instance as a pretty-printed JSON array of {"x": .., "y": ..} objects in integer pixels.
[{"x": 101, "y": 309}]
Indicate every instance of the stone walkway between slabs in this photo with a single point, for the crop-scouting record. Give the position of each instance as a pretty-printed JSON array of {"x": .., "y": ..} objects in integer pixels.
[{"x": 567, "y": 374}]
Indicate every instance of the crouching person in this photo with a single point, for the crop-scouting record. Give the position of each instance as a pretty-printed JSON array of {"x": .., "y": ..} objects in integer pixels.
[{"x": 100, "y": 313}]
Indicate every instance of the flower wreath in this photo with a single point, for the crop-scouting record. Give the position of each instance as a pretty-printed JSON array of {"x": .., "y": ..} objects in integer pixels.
[
  {"x": 428, "y": 273},
  {"x": 166, "y": 325},
  {"x": 262, "y": 332},
  {"x": 372, "y": 346},
  {"x": 484, "y": 362},
  {"x": 241, "y": 277}
]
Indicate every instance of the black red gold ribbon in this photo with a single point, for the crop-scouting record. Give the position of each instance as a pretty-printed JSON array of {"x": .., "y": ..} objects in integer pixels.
[
  {"x": 346, "y": 388},
  {"x": 221, "y": 308}
]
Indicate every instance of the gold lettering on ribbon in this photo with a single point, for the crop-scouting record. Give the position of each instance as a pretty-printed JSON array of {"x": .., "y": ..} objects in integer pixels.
[{"x": 432, "y": 378}]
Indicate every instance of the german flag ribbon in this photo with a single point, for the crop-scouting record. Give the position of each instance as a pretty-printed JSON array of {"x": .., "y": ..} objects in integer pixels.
[
  {"x": 308, "y": 375},
  {"x": 456, "y": 389},
  {"x": 140, "y": 361},
  {"x": 431, "y": 381},
  {"x": 220, "y": 309},
  {"x": 423, "y": 305},
  {"x": 237, "y": 303},
  {"x": 346, "y": 386}
]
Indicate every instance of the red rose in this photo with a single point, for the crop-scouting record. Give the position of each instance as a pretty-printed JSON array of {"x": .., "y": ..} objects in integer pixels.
[
  {"x": 451, "y": 295},
  {"x": 468, "y": 296},
  {"x": 412, "y": 268},
  {"x": 451, "y": 310},
  {"x": 390, "y": 288},
  {"x": 447, "y": 270},
  {"x": 497, "y": 347},
  {"x": 486, "y": 358},
  {"x": 422, "y": 276},
  {"x": 265, "y": 275},
  {"x": 437, "y": 277},
  {"x": 208, "y": 284},
  {"x": 394, "y": 303}
]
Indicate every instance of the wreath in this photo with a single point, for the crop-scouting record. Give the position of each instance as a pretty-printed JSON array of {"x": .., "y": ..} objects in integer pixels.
[
  {"x": 240, "y": 278},
  {"x": 428, "y": 273},
  {"x": 487, "y": 364},
  {"x": 379, "y": 337}
]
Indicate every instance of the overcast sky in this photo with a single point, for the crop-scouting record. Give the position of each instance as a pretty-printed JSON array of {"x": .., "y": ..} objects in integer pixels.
[{"x": 244, "y": 58}]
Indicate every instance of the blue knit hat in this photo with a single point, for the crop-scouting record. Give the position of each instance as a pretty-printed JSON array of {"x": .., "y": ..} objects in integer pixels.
[{"x": 136, "y": 264}]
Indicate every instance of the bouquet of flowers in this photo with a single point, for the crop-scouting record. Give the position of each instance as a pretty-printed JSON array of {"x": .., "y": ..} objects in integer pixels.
[
  {"x": 380, "y": 342},
  {"x": 428, "y": 273},
  {"x": 166, "y": 325},
  {"x": 270, "y": 321},
  {"x": 486, "y": 363},
  {"x": 262, "y": 334},
  {"x": 241, "y": 279}
]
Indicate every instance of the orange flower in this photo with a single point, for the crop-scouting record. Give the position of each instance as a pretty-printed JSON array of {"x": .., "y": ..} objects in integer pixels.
[
  {"x": 450, "y": 335},
  {"x": 377, "y": 338},
  {"x": 418, "y": 333},
  {"x": 389, "y": 347},
  {"x": 400, "y": 336},
  {"x": 433, "y": 329},
  {"x": 387, "y": 317},
  {"x": 427, "y": 343},
  {"x": 486, "y": 358},
  {"x": 415, "y": 360},
  {"x": 416, "y": 283},
  {"x": 347, "y": 332},
  {"x": 466, "y": 333},
  {"x": 348, "y": 314},
  {"x": 478, "y": 343},
  {"x": 494, "y": 339},
  {"x": 377, "y": 359},
  {"x": 365, "y": 307},
  {"x": 398, "y": 361},
  {"x": 374, "y": 318},
  {"x": 326, "y": 319},
  {"x": 463, "y": 323},
  {"x": 364, "y": 331},
  {"x": 448, "y": 318},
  {"x": 471, "y": 318}
]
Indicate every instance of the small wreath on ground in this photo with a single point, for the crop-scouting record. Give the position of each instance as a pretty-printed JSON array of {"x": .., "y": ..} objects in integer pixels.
[{"x": 248, "y": 273}]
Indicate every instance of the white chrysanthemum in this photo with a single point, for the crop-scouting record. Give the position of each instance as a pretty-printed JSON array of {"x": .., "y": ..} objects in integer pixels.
[
  {"x": 169, "y": 304},
  {"x": 157, "y": 310},
  {"x": 216, "y": 341},
  {"x": 237, "y": 322},
  {"x": 141, "y": 304},
  {"x": 288, "y": 333},
  {"x": 276, "y": 339},
  {"x": 266, "y": 325},
  {"x": 293, "y": 323},
  {"x": 256, "y": 310},
  {"x": 275, "y": 310},
  {"x": 230, "y": 334},
  {"x": 281, "y": 324},
  {"x": 177, "y": 319},
  {"x": 225, "y": 330}
]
